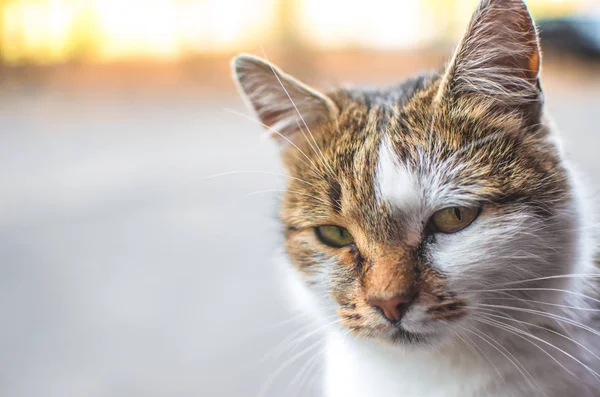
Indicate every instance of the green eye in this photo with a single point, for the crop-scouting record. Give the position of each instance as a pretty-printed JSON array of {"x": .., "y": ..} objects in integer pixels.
[
  {"x": 453, "y": 219},
  {"x": 334, "y": 236}
]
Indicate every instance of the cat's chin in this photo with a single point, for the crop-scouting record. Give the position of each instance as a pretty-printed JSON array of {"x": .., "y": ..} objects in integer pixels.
[{"x": 400, "y": 337}]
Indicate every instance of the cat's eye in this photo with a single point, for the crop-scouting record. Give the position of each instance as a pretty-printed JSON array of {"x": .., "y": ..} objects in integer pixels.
[
  {"x": 334, "y": 236},
  {"x": 453, "y": 219}
]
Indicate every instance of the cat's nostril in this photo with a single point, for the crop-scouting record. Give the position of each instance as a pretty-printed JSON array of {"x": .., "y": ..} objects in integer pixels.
[{"x": 393, "y": 308}]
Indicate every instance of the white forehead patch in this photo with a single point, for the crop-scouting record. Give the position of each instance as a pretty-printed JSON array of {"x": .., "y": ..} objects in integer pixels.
[{"x": 394, "y": 183}]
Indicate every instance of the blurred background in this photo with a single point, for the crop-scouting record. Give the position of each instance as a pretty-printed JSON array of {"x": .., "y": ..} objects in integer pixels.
[{"x": 138, "y": 196}]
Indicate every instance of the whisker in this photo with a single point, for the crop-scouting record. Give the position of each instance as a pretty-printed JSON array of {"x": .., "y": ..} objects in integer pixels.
[
  {"x": 519, "y": 367},
  {"x": 547, "y": 315},
  {"x": 587, "y": 309},
  {"x": 270, "y": 380},
  {"x": 315, "y": 376},
  {"x": 287, "y": 191},
  {"x": 520, "y": 334},
  {"x": 289, "y": 342},
  {"x": 583, "y": 275},
  {"x": 472, "y": 345},
  {"x": 591, "y": 371},
  {"x": 304, "y": 371},
  {"x": 542, "y": 289},
  {"x": 319, "y": 153},
  {"x": 258, "y": 172},
  {"x": 271, "y": 129},
  {"x": 318, "y": 150},
  {"x": 281, "y": 323},
  {"x": 546, "y": 330}
]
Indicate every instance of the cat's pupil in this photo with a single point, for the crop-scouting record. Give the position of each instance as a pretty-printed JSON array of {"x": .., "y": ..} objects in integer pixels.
[{"x": 457, "y": 214}]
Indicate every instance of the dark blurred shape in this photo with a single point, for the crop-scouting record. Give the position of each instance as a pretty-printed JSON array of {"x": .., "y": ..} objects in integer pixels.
[{"x": 576, "y": 34}]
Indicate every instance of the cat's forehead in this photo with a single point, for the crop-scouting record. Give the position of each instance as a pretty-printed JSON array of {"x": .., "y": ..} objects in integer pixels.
[
  {"x": 393, "y": 157},
  {"x": 399, "y": 142},
  {"x": 392, "y": 175}
]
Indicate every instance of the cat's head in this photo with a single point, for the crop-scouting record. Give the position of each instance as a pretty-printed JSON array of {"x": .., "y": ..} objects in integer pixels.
[{"x": 405, "y": 206}]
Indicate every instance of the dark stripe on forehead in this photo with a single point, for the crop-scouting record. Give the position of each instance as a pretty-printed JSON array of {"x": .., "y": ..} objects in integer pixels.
[
  {"x": 383, "y": 116},
  {"x": 335, "y": 195}
]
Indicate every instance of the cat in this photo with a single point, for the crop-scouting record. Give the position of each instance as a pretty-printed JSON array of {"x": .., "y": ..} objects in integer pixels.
[{"x": 435, "y": 227}]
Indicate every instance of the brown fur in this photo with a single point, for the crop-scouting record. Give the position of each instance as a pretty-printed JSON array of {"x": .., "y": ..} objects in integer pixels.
[
  {"x": 515, "y": 168},
  {"x": 501, "y": 146}
]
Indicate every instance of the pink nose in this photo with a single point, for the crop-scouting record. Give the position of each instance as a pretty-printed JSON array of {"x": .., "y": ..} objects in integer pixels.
[{"x": 393, "y": 308}]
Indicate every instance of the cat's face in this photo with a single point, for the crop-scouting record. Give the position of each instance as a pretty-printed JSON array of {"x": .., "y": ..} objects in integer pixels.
[
  {"x": 405, "y": 206},
  {"x": 381, "y": 213}
]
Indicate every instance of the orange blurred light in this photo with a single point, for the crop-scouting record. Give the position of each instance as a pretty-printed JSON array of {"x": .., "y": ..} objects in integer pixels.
[
  {"x": 57, "y": 30},
  {"x": 45, "y": 31}
]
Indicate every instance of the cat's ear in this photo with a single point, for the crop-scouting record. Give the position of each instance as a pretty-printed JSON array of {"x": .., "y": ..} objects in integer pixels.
[
  {"x": 498, "y": 59},
  {"x": 283, "y": 104}
]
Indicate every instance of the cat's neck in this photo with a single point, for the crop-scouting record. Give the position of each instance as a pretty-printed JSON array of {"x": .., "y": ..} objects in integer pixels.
[
  {"x": 460, "y": 368},
  {"x": 354, "y": 366},
  {"x": 384, "y": 361}
]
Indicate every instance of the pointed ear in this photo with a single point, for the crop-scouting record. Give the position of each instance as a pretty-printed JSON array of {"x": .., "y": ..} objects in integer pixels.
[
  {"x": 498, "y": 59},
  {"x": 283, "y": 104}
]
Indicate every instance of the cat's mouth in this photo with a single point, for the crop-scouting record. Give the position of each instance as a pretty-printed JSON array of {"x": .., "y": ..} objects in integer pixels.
[
  {"x": 403, "y": 336},
  {"x": 394, "y": 333},
  {"x": 421, "y": 325},
  {"x": 397, "y": 335}
]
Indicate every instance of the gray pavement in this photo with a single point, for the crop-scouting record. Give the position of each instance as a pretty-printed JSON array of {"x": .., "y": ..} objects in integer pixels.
[{"x": 125, "y": 272}]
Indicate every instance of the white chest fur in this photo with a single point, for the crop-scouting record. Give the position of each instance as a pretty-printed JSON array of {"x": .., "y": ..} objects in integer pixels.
[{"x": 358, "y": 369}]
